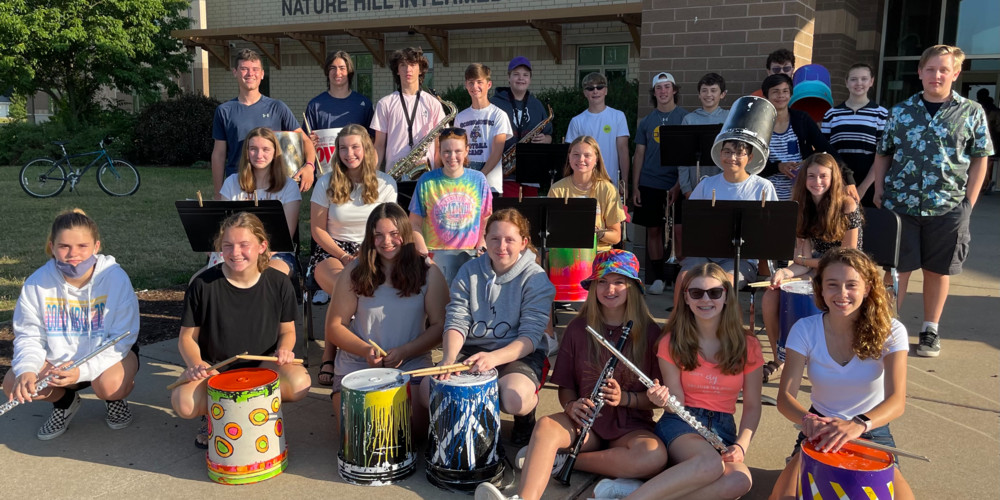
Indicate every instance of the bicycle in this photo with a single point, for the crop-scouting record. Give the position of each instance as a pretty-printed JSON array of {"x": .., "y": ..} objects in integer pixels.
[{"x": 44, "y": 177}]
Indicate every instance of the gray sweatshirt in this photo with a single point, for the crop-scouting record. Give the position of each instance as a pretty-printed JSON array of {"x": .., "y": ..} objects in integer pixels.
[
  {"x": 688, "y": 177},
  {"x": 492, "y": 311}
]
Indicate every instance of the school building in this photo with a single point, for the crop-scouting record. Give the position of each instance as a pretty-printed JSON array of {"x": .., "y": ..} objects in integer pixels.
[{"x": 566, "y": 39}]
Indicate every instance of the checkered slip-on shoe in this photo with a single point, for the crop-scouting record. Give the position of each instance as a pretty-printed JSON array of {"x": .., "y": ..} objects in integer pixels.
[
  {"x": 118, "y": 416},
  {"x": 59, "y": 420}
]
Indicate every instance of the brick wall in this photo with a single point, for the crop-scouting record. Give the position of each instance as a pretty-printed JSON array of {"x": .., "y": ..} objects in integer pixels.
[{"x": 846, "y": 34}]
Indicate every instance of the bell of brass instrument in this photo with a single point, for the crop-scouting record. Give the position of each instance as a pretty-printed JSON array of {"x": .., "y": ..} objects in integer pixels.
[
  {"x": 509, "y": 160},
  {"x": 412, "y": 165}
]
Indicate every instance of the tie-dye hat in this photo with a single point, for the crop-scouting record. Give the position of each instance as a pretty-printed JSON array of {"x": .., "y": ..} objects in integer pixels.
[{"x": 617, "y": 262}]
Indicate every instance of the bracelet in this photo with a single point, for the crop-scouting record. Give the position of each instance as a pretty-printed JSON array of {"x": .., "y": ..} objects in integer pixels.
[
  {"x": 311, "y": 164},
  {"x": 341, "y": 258},
  {"x": 807, "y": 415},
  {"x": 741, "y": 448}
]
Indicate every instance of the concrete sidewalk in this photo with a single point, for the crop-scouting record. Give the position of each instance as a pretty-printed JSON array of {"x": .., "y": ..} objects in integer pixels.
[{"x": 951, "y": 416}]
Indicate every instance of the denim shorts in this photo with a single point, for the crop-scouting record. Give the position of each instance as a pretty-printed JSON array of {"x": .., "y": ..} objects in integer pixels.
[{"x": 670, "y": 426}]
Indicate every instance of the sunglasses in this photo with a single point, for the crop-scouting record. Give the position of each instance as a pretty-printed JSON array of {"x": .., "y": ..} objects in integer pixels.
[
  {"x": 713, "y": 293},
  {"x": 595, "y": 87},
  {"x": 453, "y": 131},
  {"x": 782, "y": 69}
]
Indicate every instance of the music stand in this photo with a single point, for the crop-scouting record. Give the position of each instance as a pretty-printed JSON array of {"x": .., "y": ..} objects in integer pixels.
[
  {"x": 740, "y": 229},
  {"x": 555, "y": 222},
  {"x": 202, "y": 219},
  {"x": 688, "y": 144},
  {"x": 404, "y": 193},
  {"x": 539, "y": 163}
]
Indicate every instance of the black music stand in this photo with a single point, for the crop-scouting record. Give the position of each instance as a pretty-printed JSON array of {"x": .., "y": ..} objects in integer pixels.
[
  {"x": 539, "y": 163},
  {"x": 202, "y": 219},
  {"x": 404, "y": 194},
  {"x": 688, "y": 144},
  {"x": 555, "y": 222}
]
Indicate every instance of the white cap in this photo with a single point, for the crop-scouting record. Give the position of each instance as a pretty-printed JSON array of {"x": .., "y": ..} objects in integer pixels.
[{"x": 662, "y": 77}]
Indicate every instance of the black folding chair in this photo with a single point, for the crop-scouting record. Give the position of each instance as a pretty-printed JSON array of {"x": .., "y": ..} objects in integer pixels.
[{"x": 881, "y": 241}]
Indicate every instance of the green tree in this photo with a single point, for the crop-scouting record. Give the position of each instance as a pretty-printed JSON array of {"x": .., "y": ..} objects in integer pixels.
[{"x": 71, "y": 49}]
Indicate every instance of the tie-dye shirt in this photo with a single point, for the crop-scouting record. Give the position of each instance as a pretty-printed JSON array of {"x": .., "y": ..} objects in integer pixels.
[{"x": 452, "y": 208}]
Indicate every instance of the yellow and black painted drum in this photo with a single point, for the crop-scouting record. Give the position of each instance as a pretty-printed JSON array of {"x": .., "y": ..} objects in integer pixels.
[{"x": 376, "y": 447}]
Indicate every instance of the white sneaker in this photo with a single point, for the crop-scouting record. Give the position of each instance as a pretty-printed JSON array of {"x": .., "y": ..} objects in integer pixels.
[
  {"x": 560, "y": 460},
  {"x": 321, "y": 297},
  {"x": 656, "y": 288},
  {"x": 616, "y": 488},
  {"x": 486, "y": 491}
]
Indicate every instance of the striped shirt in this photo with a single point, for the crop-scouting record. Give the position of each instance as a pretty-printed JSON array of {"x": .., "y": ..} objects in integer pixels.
[
  {"x": 854, "y": 134},
  {"x": 784, "y": 147}
]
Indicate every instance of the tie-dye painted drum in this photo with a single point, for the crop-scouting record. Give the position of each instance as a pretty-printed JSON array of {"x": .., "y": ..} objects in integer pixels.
[
  {"x": 567, "y": 267},
  {"x": 247, "y": 432},
  {"x": 797, "y": 302},
  {"x": 854, "y": 472},
  {"x": 464, "y": 448},
  {"x": 376, "y": 447}
]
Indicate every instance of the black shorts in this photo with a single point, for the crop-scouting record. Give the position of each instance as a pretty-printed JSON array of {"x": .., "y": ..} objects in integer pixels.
[
  {"x": 531, "y": 366},
  {"x": 938, "y": 243},
  {"x": 653, "y": 211}
]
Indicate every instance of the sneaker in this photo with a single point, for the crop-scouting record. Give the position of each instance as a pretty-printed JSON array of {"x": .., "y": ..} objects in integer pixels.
[
  {"x": 520, "y": 435},
  {"x": 201, "y": 439},
  {"x": 616, "y": 488},
  {"x": 656, "y": 288},
  {"x": 556, "y": 466},
  {"x": 118, "y": 416},
  {"x": 930, "y": 345},
  {"x": 59, "y": 420},
  {"x": 321, "y": 297},
  {"x": 486, "y": 491}
]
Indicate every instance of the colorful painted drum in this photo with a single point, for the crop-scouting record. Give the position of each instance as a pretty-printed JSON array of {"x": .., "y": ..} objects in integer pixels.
[
  {"x": 567, "y": 268},
  {"x": 464, "y": 448},
  {"x": 797, "y": 302},
  {"x": 450, "y": 261},
  {"x": 376, "y": 447},
  {"x": 247, "y": 432},
  {"x": 854, "y": 471}
]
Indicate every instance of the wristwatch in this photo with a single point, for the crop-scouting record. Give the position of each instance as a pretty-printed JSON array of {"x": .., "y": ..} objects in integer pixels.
[{"x": 863, "y": 419}]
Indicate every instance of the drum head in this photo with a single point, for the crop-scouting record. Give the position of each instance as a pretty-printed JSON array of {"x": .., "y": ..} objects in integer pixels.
[
  {"x": 799, "y": 287},
  {"x": 851, "y": 456},
  {"x": 466, "y": 379},
  {"x": 242, "y": 379},
  {"x": 374, "y": 378}
]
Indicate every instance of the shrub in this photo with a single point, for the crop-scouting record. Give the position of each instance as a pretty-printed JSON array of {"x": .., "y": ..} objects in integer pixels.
[
  {"x": 175, "y": 132},
  {"x": 458, "y": 96},
  {"x": 23, "y": 141}
]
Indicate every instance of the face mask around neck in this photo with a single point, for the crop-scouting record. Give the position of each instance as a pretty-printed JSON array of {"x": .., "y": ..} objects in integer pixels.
[{"x": 75, "y": 272}]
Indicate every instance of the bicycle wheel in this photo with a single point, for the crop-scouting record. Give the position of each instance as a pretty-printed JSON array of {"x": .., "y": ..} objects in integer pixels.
[
  {"x": 42, "y": 178},
  {"x": 119, "y": 179}
]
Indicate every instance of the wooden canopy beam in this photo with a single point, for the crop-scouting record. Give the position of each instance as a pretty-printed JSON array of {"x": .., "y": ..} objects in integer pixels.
[
  {"x": 552, "y": 35},
  {"x": 273, "y": 55},
  {"x": 307, "y": 41},
  {"x": 437, "y": 39},
  {"x": 634, "y": 24},
  {"x": 216, "y": 48},
  {"x": 373, "y": 41}
]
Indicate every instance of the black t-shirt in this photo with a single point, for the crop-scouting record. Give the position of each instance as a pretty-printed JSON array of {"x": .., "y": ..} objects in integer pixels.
[
  {"x": 233, "y": 320},
  {"x": 932, "y": 107}
]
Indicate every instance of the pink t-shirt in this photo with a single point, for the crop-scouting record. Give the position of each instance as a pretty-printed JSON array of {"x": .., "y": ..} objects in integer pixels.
[
  {"x": 390, "y": 120},
  {"x": 706, "y": 387}
]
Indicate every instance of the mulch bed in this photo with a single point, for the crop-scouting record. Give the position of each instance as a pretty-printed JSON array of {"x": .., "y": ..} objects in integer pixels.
[{"x": 160, "y": 319}]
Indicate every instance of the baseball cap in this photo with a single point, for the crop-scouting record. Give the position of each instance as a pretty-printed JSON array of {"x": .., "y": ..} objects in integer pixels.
[
  {"x": 663, "y": 77},
  {"x": 519, "y": 61}
]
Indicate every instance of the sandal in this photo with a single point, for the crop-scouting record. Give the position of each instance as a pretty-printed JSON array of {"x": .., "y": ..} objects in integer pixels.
[
  {"x": 201, "y": 439},
  {"x": 328, "y": 381},
  {"x": 769, "y": 369}
]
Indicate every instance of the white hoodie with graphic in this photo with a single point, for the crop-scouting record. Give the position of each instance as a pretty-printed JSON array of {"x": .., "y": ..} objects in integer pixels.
[{"x": 57, "y": 322}]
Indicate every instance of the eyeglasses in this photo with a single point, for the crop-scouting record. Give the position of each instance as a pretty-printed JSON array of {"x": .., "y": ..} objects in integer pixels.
[
  {"x": 713, "y": 293},
  {"x": 593, "y": 88},
  {"x": 782, "y": 69},
  {"x": 453, "y": 131},
  {"x": 733, "y": 154}
]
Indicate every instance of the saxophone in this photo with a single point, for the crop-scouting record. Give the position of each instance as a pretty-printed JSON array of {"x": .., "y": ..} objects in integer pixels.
[
  {"x": 509, "y": 161},
  {"x": 412, "y": 165}
]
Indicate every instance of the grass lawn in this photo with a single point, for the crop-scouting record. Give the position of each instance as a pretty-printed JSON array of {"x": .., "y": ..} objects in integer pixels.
[{"x": 142, "y": 231}]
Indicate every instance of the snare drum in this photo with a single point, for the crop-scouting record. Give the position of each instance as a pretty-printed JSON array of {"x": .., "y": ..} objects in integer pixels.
[
  {"x": 567, "y": 268},
  {"x": 247, "y": 442},
  {"x": 450, "y": 261},
  {"x": 464, "y": 447},
  {"x": 854, "y": 471},
  {"x": 797, "y": 302},
  {"x": 376, "y": 447}
]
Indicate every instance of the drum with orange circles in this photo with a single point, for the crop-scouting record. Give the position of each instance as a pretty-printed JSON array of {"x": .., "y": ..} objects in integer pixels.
[
  {"x": 247, "y": 443},
  {"x": 854, "y": 471}
]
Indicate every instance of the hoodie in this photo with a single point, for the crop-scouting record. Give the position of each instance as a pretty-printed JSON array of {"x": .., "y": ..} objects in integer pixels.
[
  {"x": 57, "y": 322},
  {"x": 491, "y": 310}
]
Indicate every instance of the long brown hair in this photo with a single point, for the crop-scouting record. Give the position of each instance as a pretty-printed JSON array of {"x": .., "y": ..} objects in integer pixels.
[
  {"x": 251, "y": 223},
  {"x": 874, "y": 323},
  {"x": 514, "y": 217},
  {"x": 277, "y": 172},
  {"x": 635, "y": 348},
  {"x": 826, "y": 220},
  {"x": 71, "y": 219},
  {"x": 339, "y": 191},
  {"x": 683, "y": 327},
  {"x": 409, "y": 272},
  {"x": 600, "y": 171}
]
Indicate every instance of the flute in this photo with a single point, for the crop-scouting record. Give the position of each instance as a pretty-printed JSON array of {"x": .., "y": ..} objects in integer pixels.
[
  {"x": 595, "y": 395},
  {"x": 672, "y": 403},
  {"x": 44, "y": 382}
]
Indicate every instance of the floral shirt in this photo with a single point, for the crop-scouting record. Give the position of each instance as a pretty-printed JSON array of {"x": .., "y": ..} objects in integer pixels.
[{"x": 931, "y": 155}]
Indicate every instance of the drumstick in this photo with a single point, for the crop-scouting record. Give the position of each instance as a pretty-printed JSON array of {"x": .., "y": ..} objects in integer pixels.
[
  {"x": 881, "y": 447},
  {"x": 306, "y": 121},
  {"x": 220, "y": 364},
  {"x": 251, "y": 357},
  {"x": 381, "y": 352},
  {"x": 437, "y": 370},
  {"x": 757, "y": 284}
]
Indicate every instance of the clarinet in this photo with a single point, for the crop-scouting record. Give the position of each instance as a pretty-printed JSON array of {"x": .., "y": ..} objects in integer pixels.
[
  {"x": 672, "y": 403},
  {"x": 44, "y": 382},
  {"x": 595, "y": 395}
]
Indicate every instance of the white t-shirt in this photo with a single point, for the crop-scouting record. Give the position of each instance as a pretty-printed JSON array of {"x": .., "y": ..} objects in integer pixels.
[
  {"x": 748, "y": 190},
  {"x": 606, "y": 126},
  {"x": 390, "y": 120},
  {"x": 231, "y": 191},
  {"x": 842, "y": 391},
  {"x": 346, "y": 222},
  {"x": 482, "y": 125}
]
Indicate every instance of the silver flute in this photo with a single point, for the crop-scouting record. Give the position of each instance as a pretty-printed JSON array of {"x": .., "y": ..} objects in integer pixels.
[
  {"x": 672, "y": 404},
  {"x": 44, "y": 382}
]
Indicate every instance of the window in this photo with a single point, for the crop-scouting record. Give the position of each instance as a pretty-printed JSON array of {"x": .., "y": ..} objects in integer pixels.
[
  {"x": 363, "y": 64},
  {"x": 429, "y": 76},
  {"x": 610, "y": 60}
]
